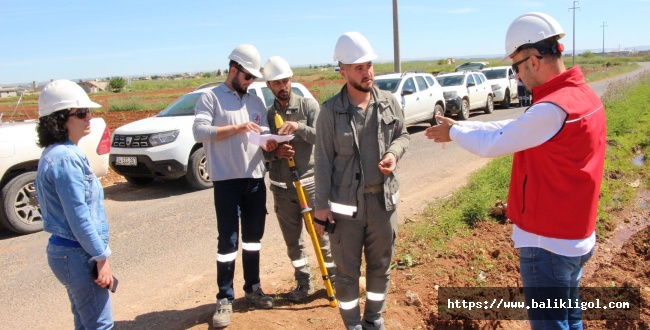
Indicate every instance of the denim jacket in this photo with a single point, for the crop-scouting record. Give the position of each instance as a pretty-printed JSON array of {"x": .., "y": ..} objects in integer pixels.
[{"x": 72, "y": 199}]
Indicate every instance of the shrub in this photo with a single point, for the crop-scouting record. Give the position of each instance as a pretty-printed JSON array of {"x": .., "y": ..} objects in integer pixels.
[
  {"x": 116, "y": 84},
  {"x": 587, "y": 54}
]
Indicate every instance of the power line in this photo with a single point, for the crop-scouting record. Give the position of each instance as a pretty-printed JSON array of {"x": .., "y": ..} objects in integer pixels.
[
  {"x": 397, "y": 66},
  {"x": 604, "y": 26},
  {"x": 574, "y": 30}
]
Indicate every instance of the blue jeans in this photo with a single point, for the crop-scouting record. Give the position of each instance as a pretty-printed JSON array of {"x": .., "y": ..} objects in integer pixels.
[
  {"x": 235, "y": 199},
  {"x": 549, "y": 277},
  {"x": 91, "y": 304}
]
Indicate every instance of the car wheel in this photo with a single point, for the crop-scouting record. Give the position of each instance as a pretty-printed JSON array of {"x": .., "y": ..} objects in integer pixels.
[
  {"x": 506, "y": 100},
  {"x": 197, "y": 171},
  {"x": 437, "y": 111},
  {"x": 464, "y": 110},
  {"x": 20, "y": 211},
  {"x": 138, "y": 180},
  {"x": 489, "y": 105}
]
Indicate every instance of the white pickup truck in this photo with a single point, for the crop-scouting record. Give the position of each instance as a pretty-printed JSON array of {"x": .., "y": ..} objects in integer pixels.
[
  {"x": 504, "y": 85},
  {"x": 19, "y": 155}
]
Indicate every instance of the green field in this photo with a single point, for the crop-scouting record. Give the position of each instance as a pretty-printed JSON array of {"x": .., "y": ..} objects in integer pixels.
[{"x": 595, "y": 68}]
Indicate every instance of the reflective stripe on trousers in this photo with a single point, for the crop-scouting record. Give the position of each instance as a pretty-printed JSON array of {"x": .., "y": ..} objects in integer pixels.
[
  {"x": 372, "y": 233},
  {"x": 239, "y": 201},
  {"x": 288, "y": 211}
]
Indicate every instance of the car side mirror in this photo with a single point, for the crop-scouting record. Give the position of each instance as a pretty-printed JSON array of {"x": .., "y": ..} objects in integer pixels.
[
  {"x": 407, "y": 91},
  {"x": 471, "y": 84},
  {"x": 512, "y": 76}
]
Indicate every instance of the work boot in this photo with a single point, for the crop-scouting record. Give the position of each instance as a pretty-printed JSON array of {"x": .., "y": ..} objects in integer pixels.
[
  {"x": 300, "y": 293},
  {"x": 221, "y": 317},
  {"x": 377, "y": 324},
  {"x": 258, "y": 298}
]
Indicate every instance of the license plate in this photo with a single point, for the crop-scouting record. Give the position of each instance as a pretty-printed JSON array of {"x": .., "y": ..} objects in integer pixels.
[{"x": 126, "y": 161}]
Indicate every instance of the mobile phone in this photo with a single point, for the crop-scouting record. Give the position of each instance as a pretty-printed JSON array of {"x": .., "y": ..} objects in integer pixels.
[
  {"x": 114, "y": 287},
  {"x": 330, "y": 227},
  {"x": 115, "y": 281}
]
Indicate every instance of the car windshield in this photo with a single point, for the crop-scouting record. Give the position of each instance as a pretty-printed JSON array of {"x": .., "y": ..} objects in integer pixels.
[
  {"x": 470, "y": 66},
  {"x": 269, "y": 98},
  {"x": 495, "y": 74},
  {"x": 450, "y": 80},
  {"x": 388, "y": 84},
  {"x": 181, "y": 107}
]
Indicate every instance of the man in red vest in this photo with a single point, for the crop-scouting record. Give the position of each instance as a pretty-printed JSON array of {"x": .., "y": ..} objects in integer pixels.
[{"x": 559, "y": 152}]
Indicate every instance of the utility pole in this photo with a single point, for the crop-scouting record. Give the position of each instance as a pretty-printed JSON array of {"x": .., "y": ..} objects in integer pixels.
[
  {"x": 574, "y": 30},
  {"x": 604, "y": 26},
  {"x": 396, "y": 60}
]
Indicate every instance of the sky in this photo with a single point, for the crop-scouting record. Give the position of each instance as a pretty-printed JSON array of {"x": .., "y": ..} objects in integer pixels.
[{"x": 44, "y": 40}]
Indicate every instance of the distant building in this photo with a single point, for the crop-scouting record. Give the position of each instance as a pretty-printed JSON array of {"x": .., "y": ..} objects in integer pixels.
[
  {"x": 93, "y": 86},
  {"x": 8, "y": 91}
]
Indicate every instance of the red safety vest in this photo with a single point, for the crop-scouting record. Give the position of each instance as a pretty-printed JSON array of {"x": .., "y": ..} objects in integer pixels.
[{"x": 554, "y": 187}]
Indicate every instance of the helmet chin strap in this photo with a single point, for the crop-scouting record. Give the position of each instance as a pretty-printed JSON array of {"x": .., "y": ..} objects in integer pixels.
[{"x": 545, "y": 47}]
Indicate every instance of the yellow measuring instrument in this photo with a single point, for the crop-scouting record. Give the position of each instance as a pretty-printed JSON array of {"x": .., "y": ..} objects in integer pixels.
[{"x": 306, "y": 215}]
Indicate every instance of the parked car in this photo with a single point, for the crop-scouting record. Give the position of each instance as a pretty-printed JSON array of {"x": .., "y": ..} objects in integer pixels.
[
  {"x": 19, "y": 208},
  {"x": 504, "y": 84},
  {"x": 466, "y": 91},
  {"x": 471, "y": 66},
  {"x": 419, "y": 93},
  {"x": 163, "y": 146}
]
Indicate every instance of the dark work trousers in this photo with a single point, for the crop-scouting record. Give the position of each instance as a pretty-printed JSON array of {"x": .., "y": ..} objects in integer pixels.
[
  {"x": 373, "y": 232},
  {"x": 287, "y": 210},
  {"x": 235, "y": 199}
]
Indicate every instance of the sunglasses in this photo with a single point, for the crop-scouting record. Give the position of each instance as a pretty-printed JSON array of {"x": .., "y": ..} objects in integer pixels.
[
  {"x": 515, "y": 66},
  {"x": 81, "y": 113},
  {"x": 247, "y": 75}
]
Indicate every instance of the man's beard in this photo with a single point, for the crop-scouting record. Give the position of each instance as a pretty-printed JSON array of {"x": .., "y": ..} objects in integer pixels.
[
  {"x": 283, "y": 95},
  {"x": 236, "y": 84},
  {"x": 360, "y": 88}
]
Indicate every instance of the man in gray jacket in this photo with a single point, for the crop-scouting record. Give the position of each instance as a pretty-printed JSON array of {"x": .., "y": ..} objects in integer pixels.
[
  {"x": 299, "y": 117},
  {"x": 361, "y": 136}
]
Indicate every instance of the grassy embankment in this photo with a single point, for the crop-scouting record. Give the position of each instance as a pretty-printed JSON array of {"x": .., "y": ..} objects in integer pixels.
[{"x": 627, "y": 107}]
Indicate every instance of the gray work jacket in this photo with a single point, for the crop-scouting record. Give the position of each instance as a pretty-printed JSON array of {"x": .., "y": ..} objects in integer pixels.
[
  {"x": 303, "y": 111},
  {"x": 338, "y": 172}
]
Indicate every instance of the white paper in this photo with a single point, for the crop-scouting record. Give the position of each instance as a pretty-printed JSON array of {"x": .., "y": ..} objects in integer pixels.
[{"x": 261, "y": 139}]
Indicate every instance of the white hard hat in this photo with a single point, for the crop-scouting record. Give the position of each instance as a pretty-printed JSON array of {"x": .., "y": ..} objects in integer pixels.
[
  {"x": 248, "y": 57},
  {"x": 63, "y": 94},
  {"x": 277, "y": 68},
  {"x": 531, "y": 28},
  {"x": 352, "y": 48}
]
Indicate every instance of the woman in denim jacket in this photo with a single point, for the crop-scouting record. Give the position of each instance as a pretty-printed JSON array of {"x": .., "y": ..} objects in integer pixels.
[{"x": 72, "y": 204}]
